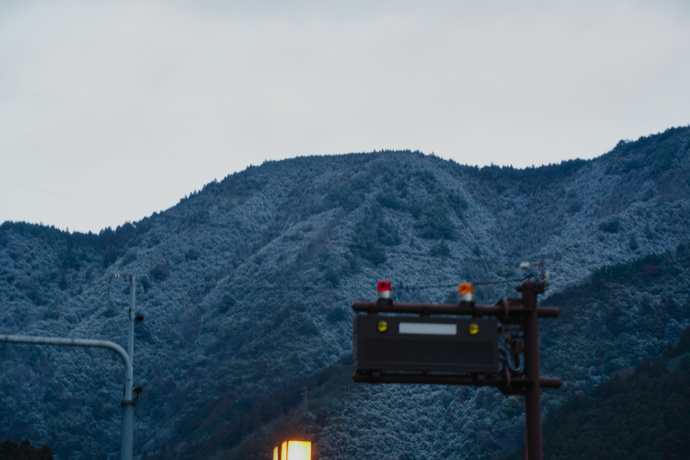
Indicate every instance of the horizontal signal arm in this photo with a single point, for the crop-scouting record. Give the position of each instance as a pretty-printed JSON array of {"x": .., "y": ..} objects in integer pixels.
[{"x": 449, "y": 309}]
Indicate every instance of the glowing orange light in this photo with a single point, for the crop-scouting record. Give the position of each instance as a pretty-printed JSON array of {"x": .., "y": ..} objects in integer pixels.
[
  {"x": 298, "y": 450},
  {"x": 293, "y": 450},
  {"x": 466, "y": 291}
]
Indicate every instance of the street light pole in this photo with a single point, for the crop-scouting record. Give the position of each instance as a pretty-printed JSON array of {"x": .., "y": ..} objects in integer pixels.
[
  {"x": 127, "y": 433},
  {"x": 126, "y": 446}
]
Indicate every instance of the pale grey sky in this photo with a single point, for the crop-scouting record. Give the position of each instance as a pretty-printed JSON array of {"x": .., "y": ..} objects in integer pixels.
[{"x": 112, "y": 110}]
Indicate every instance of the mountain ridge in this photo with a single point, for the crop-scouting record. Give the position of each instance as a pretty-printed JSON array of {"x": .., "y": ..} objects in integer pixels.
[{"x": 246, "y": 284}]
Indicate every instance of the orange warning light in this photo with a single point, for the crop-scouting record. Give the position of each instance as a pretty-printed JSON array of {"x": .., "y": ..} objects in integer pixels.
[{"x": 466, "y": 291}]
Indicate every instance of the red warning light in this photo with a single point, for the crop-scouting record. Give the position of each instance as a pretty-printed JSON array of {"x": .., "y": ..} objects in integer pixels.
[{"x": 384, "y": 290}]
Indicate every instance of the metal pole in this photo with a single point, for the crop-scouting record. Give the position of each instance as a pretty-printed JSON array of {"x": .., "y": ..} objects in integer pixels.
[
  {"x": 533, "y": 441},
  {"x": 132, "y": 301},
  {"x": 126, "y": 446}
]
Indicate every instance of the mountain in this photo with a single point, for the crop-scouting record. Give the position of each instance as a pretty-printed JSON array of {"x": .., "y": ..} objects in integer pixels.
[{"x": 246, "y": 287}]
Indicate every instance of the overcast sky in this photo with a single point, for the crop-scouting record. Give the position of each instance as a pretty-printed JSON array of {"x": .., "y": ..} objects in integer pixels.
[{"x": 113, "y": 110}]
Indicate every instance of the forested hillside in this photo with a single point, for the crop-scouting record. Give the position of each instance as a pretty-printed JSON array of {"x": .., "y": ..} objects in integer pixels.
[
  {"x": 246, "y": 287},
  {"x": 638, "y": 414},
  {"x": 638, "y": 417}
]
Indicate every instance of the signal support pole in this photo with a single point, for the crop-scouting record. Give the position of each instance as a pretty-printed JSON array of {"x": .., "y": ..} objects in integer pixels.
[{"x": 533, "y": 441}]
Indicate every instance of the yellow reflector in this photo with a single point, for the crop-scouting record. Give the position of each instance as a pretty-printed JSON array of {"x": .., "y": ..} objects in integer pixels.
[
  {"x": 473, "y": 329},
  {"x": 383, "y": 326},
  {"x": 466, "y": 288},
  {"x": 276, "y": 455},
  {"x": 298, "y": 450}
]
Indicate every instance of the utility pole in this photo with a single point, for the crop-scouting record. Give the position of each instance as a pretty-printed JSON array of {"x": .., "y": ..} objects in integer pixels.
[
  {"x": 127, "y": 429},
  {"x": 478, "y": 351},
  {"x": 533, "y": 439},
  {"x": 127, "y": 441}
]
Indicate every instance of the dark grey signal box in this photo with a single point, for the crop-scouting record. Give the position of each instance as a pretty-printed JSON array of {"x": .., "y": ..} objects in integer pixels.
[{"x": 400, "y": 343}]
